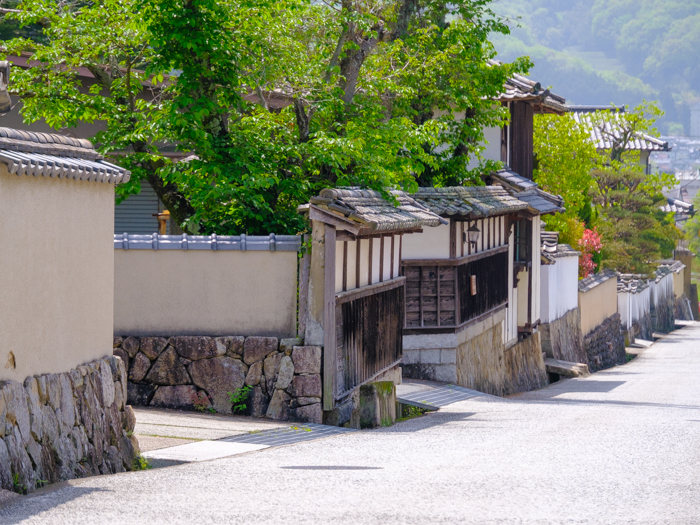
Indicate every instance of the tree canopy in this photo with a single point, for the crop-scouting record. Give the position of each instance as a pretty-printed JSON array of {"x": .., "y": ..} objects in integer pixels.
[
  {"x": 609, "y": 188},
  {"x": 274, "y": 100}
]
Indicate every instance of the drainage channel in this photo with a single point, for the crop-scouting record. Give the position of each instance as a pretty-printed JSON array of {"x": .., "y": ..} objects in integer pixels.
[{"x": 231, "y": 446}]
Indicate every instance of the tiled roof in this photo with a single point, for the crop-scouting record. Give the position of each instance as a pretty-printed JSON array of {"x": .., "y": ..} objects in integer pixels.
[
  {"x": 678, "y": 206},
  {"x": 602, "y": 136},
  {"x": 369, "y": 208},
  {"x": 552, "y": 249},
  {"x": 672, "y": 265},
  {"x": 473, "y": 202},
  {"x": 523, "y": 89},
  {"x": 528, "y": 191},
  {"x": 56, "y": 156},
  {"x": 661, "y": 272},
  {"x": 594, "y": 280},
  {"x": 216, "y": 243},
  {"x": 631, "y": 283}
]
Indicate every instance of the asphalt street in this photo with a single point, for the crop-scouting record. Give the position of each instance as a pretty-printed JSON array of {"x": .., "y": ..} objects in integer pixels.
[{"x": 622, "y": 446}]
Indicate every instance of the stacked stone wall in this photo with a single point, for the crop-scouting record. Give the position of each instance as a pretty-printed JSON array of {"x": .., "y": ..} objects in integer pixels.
[
  {"x": 605, "y": 346},
  {"x": 682, "y": 310},
  {"x": 662, "y": 318},
  {"x": 562, "y": 338},
  {"x": 188, "y": 372},
  {"x": 63, "y": 426},
  {"x": 641, "y": 328},
  {"x": 484, "y": 364}
]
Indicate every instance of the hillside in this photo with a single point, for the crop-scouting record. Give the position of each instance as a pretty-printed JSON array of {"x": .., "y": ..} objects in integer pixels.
[{"x": 610, "y": 51}]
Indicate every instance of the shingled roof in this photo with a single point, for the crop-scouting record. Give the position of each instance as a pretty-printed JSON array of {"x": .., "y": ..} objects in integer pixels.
[
  {"x": 601, "y": 136},
  {"x": 56, "y": 156},
  {"x": 473, "y": 202},
  {"x": 552, "y": 249},
  {"x": 527, "y": 191},
  {"x": 522, "y": 89},
  {"x": 368, "y": 208}
]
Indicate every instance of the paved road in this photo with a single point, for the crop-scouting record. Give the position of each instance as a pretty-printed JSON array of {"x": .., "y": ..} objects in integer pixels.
[{"x": 622, "y": 446}]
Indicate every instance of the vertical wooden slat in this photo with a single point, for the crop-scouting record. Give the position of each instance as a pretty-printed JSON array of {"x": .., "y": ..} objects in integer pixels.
[
  {"x": 381, "y": 258},
  {"x": 330, "y": 363},
  {"x": 371, "y": 249},
  {"x": 345, "y": 266},
  {"x": 437, "y": 272},
  {"x": 391, "y": 272},
  {"x": 481, "y": 237},
  {"x": 461, "y": 237},
  {"x": 469, "y": 245},
  {"x": 453, "y": 238},
  {"x": 488, "y": 233},
  {"x": 420, "y": 293}
]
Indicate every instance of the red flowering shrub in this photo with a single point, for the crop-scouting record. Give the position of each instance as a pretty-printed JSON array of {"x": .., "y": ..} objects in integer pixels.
[{"x": 589, "y": 244}]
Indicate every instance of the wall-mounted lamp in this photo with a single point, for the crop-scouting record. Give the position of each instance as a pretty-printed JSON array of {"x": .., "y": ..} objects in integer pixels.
[{"x": 472, "y": 235}]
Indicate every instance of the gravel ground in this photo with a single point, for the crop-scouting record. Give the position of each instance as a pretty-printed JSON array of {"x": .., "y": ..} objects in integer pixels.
[{"x": 622, "y": 446}]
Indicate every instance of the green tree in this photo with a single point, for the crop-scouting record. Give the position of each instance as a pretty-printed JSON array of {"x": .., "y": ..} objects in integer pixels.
[
  {"x": 274, "y": 99},
  {"x": 565, "y": 158}
]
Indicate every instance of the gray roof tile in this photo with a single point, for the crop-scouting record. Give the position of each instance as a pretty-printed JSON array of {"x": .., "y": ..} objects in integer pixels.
[{"x": 473, "y": 202}]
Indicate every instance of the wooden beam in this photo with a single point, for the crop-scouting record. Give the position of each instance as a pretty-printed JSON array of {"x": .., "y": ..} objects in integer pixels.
[
  {"x": 453, "y": 238},
  {"x": 391, "y": 271},
  {"x": 345, "y": 266},
  {"x": 329, "y": 339},
  {"x": 326, "y": 217},
  {"x": 357, "y": 263},
  {"x": 455, "y": 262},
  {"x": 369, "y": 269},
  {"x": 304, "y": 268},
  {"x": 372, "y": 289}
]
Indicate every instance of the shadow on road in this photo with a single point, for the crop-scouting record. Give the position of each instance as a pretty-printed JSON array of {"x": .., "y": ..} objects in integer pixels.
[{"x": 17, "y": 510}]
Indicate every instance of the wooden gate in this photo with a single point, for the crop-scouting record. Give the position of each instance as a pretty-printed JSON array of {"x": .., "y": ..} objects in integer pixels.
[{"x": 369, "y": 324}]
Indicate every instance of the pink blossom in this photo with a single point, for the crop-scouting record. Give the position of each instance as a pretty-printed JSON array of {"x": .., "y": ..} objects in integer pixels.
[{"x": 589, "y": 244}]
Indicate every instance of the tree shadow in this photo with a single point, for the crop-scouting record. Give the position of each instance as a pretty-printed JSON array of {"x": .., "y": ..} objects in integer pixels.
[{"x": 17, "y": 510}]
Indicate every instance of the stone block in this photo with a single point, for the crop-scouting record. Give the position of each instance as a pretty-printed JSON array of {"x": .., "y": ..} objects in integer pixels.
[
  {"x": 430, "y": 357},
  {"x": 254, "y": 374},
  {"x": 309, "y": 413},
  {"x": 139, "y": 367},
  {"x": 152, "y": 347},
  {"x": 168, "y": 370},
  {"x": 301, "y": 401},
  {"x": 287, "y": 345},
  {"x": 5, "y": 471},
  {"x": 271, "y": 366},
  {"x": 306, "y": 386},
  {"x": 448, "y": 356},
  {"x": 139, "y": 395},
  {"x": 377, "y": 404},
  {"x": 279, "y": 406},
  {"x": 340, "y": 415},
  {"x": 307, "y": 359},
  {"x": 218, "y": 377},
  {"x": 196, "y": 347},
  {"x": 258, "y": 348},
  {"x": 35, "y": 407},
  {"x": 411, "y": 357},
  {"x": 121, "y": 354},
  {"x": 235, "y": 346},
  {"x": 130, "y": 345},
  {"x": 174, "y": 396},
  {"x": 446, "y": 373},
  {"x": 258, "y": 402},
  {"x": 128, "y": 419},
  {"x": 117, "y": 341},
  {"x": 285, "y": 374},
  {"x": 17, "y": 411}
]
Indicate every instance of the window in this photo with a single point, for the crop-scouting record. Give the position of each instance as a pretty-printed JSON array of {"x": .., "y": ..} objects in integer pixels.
[{"x": 523, "y": 241}]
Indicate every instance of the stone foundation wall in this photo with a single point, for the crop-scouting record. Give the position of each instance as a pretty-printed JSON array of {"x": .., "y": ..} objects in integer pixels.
[
  {"x": 484, "y": 364},
  {"x": 681, "y": 310},
  {"x": 662, "y": 318},
  {"x": 562, "y": 338},
  {"x": 434, "y": 364},
  {"x": 63, "y": 426},
  {"x": 524, "y": 366},
  {"x": 178, "y": 371},
  {"x": 605, "y": 346},
  {"x": 641, "y": 328}
]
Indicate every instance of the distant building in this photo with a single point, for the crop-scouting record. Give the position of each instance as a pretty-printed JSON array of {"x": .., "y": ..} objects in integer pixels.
[{"x": 695, "y": 120}]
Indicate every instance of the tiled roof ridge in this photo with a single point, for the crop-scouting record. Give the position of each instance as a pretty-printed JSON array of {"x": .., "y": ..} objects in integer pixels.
[
  {"x": 47, "y": 144},
  {"x": 594, "y": 280}
]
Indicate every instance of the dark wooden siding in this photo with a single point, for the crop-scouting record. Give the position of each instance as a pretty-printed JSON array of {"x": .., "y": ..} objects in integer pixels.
[
  {"x": 428, "y": 304},
  {"x": 491, "y": 285},
  {"x": 369, "y": 337},
  {"x": 521, "y": 130}
]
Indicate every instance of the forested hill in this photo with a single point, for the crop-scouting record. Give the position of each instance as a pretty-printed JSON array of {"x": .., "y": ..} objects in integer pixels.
[{"x": 603, "y": 51}]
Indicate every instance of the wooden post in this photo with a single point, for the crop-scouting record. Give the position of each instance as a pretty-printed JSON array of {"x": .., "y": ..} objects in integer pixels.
[
  {"x": 453, "y": 239},
  {"x": 330, "y": 359},
  {"x": 304, "y": 267}
]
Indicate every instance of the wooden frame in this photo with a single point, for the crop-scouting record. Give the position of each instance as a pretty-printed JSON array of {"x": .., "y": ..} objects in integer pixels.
[{"x": 455, "y": 262}]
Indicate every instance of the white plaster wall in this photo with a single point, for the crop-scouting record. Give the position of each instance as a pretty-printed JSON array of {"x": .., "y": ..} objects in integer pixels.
[
  {"x": 623, "y": 308},
  {"x": 523, "y": 278},
  {"x": 511, "y": 319},
  {"x": 492, "y": 146},
  {"x": 433, "y": 243},
  {"x": 386, "y": 270},
  {"x": 375, "y": 260},
  {"x": 167, "y": 292},
  {"x": 364, "y": 262},
  {"x": 338, "y": 266},
  {"x": 559, "y": 288},
  {"x": 536, "y": 270},
  {"x": 352, "y": 265},
  {"x": 56, "y": 273}
]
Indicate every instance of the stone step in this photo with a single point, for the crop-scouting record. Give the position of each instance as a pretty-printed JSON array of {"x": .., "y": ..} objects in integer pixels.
[
  {"x": 566, "y": 368},
  {"x": 641, "y": 343}
]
